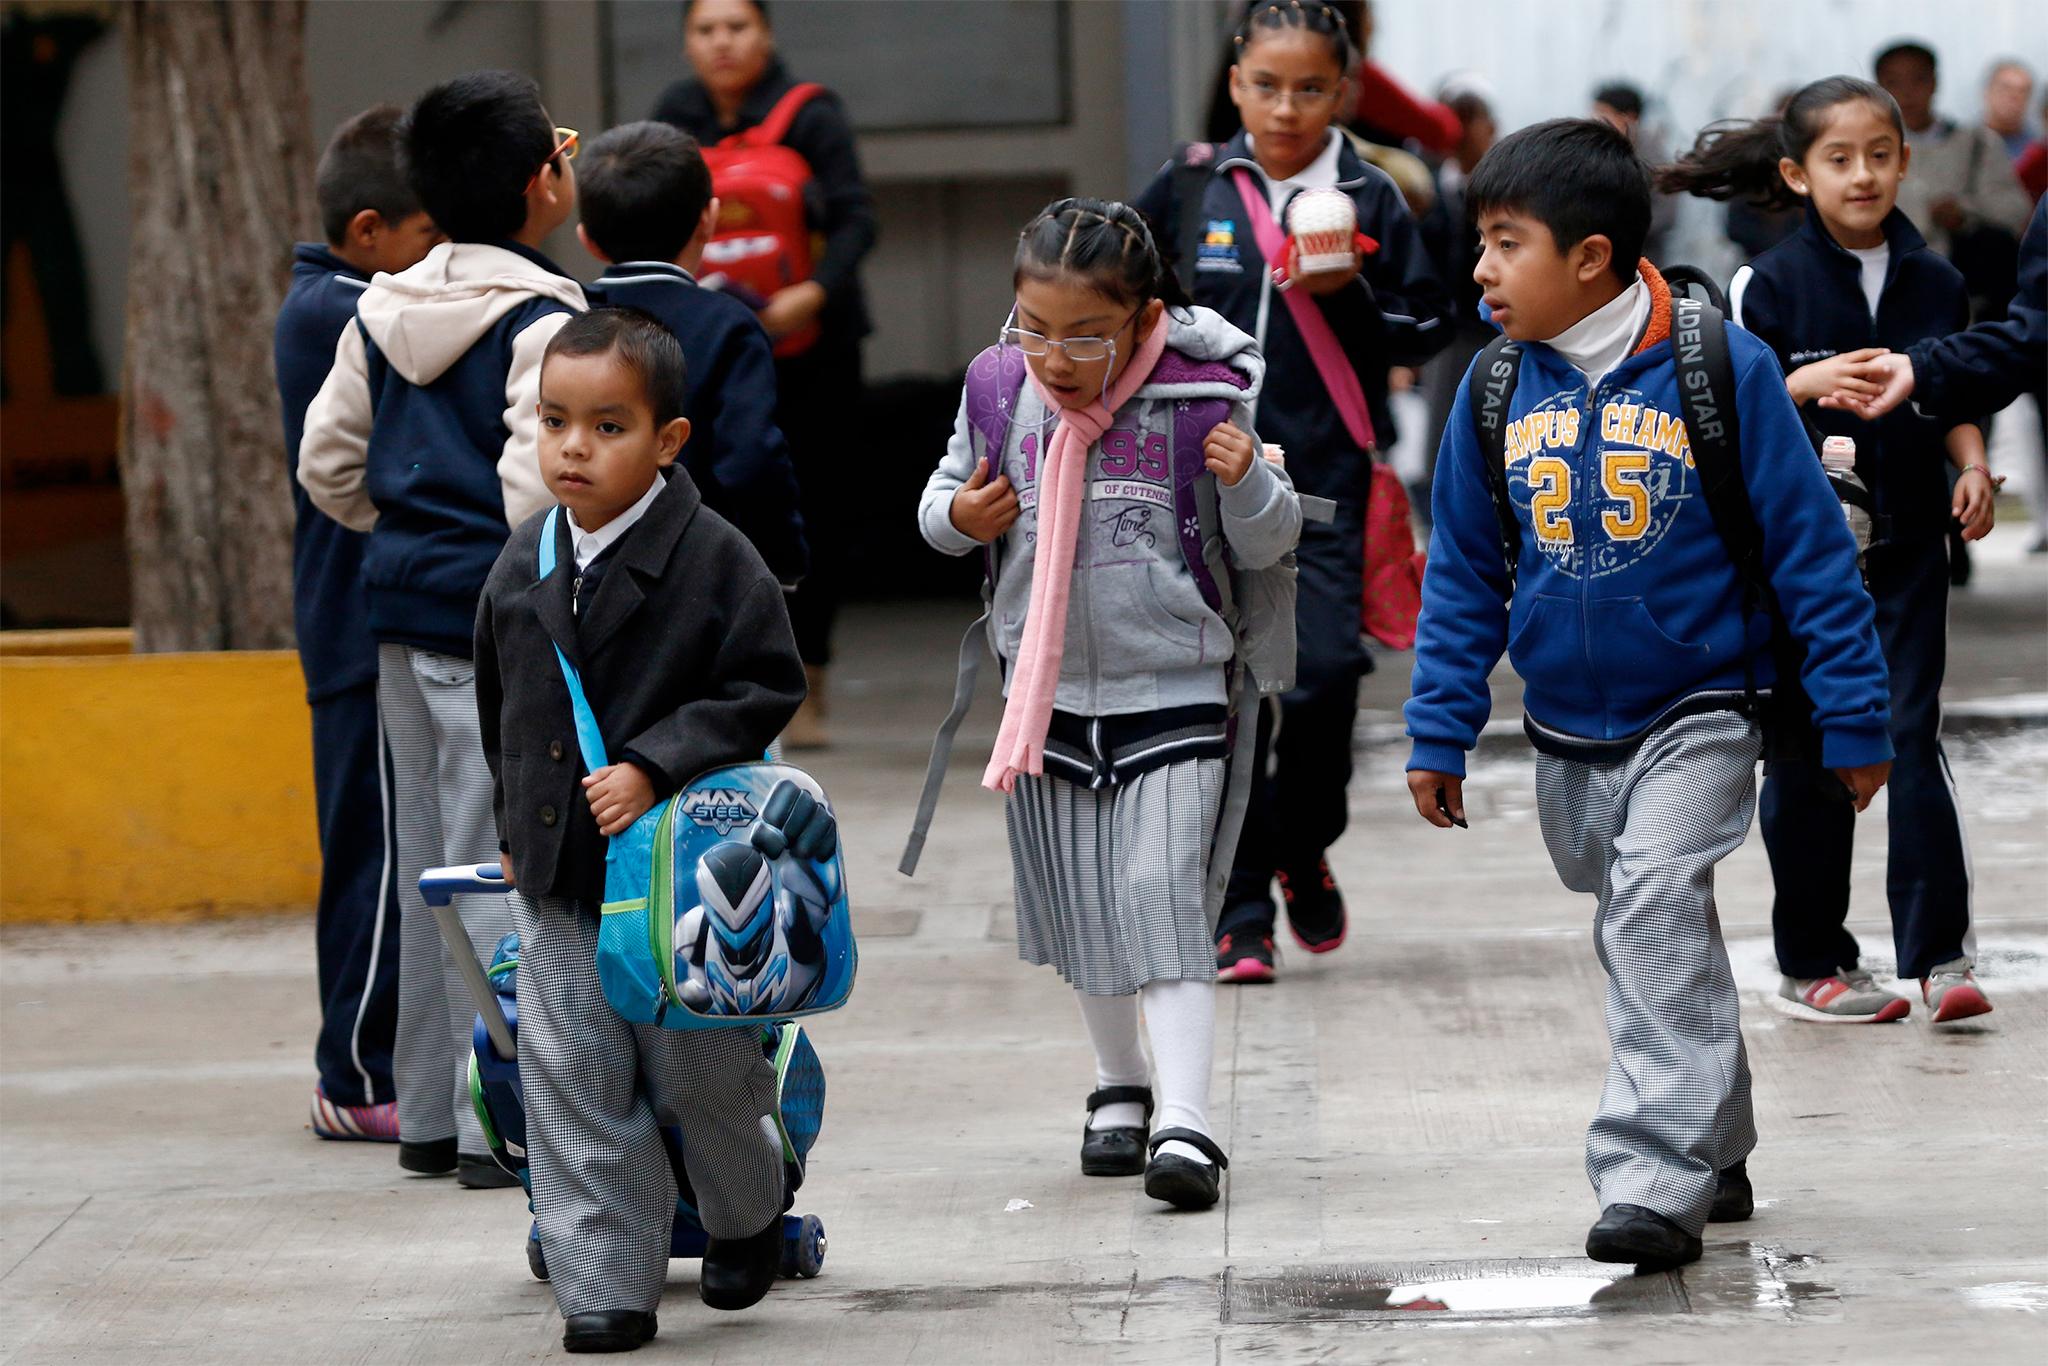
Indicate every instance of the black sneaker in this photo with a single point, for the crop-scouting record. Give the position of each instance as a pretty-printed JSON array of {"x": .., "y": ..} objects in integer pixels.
[
  {"x": 1315, "y": 908},
  {"x": 1734, "y": 1201},
  {"x": 1643, "y": 1237},
  {"x": 1244, "y": 956}
]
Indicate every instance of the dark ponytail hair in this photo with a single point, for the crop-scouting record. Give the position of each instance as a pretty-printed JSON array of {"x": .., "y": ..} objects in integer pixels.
[
  {"x": 1314, "y": 16},
  {"x": 1738, "y": 159},
  {"x": 1107, "y": 244}
]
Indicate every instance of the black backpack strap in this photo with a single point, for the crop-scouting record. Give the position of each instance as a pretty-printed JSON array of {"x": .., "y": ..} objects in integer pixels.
[
  {"x": 1193, "y": 166},
  {"x": 1706, "y": 390},
  {"x": 1683, "y": 278},
  {"x": 1494, "y": 376}
]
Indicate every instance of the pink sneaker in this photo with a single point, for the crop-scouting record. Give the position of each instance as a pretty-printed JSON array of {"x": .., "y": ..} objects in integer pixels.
[
  {"x": 358, "y": 1123},
  {"x": 1952, "y": 993}
]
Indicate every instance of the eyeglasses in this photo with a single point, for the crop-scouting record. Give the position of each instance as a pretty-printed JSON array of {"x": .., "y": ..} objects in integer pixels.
[
  {"x": 1308, "y": 100},
  {"x": 1081, "y": 350},
  {"x": 565, "y": 148}
]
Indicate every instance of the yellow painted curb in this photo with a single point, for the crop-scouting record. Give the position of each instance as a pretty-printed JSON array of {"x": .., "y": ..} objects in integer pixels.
[{"x": 149, "y": 787}]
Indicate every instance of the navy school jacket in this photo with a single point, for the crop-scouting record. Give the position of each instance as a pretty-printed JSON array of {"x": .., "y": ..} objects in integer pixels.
[
  {"x": 336, "y": 649},
  {"x": 1627, "y": 602},
  {"x": 1992, "y": 364},
  {"x": 1804, "y": 299},
  {"x": 1395, "y": 313},
  {"x": 736, "y": 454}
]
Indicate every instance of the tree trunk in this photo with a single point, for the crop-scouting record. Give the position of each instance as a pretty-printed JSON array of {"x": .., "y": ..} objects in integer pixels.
[{"x": 221, "y": 179}]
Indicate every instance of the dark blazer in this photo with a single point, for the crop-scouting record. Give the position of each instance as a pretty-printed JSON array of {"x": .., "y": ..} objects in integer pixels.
[
  {"x": 686, "y": 655},
  {"x": 1804, "y": 299},
  {"x": 736, "y": 454},
  {"x": 840, "y": 209},
  {"x": 336, "y": 650}
]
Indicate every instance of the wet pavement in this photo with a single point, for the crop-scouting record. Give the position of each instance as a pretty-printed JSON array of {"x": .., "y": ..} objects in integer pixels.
[{"x": 1404, "y": 1116}]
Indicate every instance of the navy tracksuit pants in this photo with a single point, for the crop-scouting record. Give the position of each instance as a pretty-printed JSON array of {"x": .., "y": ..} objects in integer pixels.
[
  {"x": 1808, "y": 832},
  {"x": 357, "y": 924}
]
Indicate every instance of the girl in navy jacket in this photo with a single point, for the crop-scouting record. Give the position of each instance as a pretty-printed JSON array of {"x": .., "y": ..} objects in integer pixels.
[
  {"x": 1288, "y": 82},
  {"x": 1854, "y": 282}
]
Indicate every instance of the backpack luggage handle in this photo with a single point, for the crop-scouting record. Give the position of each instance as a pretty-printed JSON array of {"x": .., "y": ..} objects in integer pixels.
[{"x": 439, "y": 887}]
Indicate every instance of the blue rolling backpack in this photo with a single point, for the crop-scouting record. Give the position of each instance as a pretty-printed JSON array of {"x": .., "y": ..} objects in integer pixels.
[{"x": 725, "y": 908}]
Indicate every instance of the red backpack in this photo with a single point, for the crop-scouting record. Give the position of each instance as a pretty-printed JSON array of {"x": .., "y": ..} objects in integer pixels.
[{"x": 763, "y": 242}]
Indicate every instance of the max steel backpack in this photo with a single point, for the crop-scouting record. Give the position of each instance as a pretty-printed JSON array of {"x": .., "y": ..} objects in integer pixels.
[
  {"x": 725, "y": 904},
  {"x": 1256, "y": 604},
  {"x": 1706, "y": 388},
  {"x": 763, "y": 240}
]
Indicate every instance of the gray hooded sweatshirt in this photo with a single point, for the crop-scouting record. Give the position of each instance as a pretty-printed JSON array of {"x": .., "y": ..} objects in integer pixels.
[{"x": 1139, "y": 636}]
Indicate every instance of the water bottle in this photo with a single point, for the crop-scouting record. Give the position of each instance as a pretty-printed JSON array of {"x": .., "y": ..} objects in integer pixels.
[{"x": 1838, "y": 457}]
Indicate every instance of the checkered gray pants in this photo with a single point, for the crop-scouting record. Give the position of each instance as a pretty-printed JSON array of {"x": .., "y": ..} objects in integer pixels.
[
  {"x": 441, "y": 806},
  {"x": 1644, "y": 835},
  {"x": 597, "y": 1090}
]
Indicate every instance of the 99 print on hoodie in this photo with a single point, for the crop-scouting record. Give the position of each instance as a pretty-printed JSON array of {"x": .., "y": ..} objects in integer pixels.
[{"x": 426, "y": 434}]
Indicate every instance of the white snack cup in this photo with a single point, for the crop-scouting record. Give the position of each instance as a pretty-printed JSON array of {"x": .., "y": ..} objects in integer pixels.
[{"x": 1324, "y": 224}]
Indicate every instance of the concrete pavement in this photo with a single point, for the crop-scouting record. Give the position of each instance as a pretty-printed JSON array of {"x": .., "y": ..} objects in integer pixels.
[{"x": 1418, "y": 1097}]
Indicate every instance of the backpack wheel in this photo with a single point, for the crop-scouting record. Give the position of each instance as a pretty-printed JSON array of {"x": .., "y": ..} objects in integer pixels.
[
  {"x": 536, "y": 1260},
  {"x": 810, "y": 1247}
]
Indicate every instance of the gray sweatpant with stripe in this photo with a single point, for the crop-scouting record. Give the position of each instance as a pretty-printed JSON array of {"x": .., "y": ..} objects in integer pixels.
[
  {"x": 1643, "y": 834},
  {"x": 441, "y": 806},
  {"x": 597, "y": 1090}
]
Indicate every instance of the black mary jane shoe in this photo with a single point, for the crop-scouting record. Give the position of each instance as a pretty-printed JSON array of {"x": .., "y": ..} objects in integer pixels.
[
  {"x": 608, "y": 1330},
  {"x": 1181, "y": 1181},
  {"x": 1734, "y": 1200},
  {"x": 1121, "y": 1151},
  {"x": 1631, "y": 1233},
  {"x": 738, "y": 1271}
]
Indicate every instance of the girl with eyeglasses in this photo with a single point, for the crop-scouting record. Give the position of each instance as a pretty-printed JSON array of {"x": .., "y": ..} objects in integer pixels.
[
  {"x": 1212, "y": 203},
  {"x": 1109, "y": 424}
]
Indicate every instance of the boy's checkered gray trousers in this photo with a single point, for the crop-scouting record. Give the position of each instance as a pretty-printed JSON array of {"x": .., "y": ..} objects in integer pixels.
[
  {"x": 1644, "y": 834},
  {"x": 597, "y": 1090}
]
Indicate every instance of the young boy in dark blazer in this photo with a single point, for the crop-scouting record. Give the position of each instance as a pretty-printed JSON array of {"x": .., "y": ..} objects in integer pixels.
[
  {"x": 685, "y": 651},
  {"x": 647, "y": 212}
]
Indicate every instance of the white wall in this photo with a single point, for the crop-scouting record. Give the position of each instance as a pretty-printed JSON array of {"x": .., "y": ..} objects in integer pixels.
[{"x": 1699, "y": 60}]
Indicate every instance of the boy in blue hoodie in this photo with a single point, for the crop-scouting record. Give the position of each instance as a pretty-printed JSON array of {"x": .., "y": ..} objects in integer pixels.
[
  {"x": 1626, "y": 622},
  {"x": 647, "y": 212},
  {"x": 373, "y": 222},
  {"x": 424, "y": 438}
]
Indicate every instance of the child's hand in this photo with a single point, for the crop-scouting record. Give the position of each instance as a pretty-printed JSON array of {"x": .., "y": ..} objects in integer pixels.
[
  {"x": 1423, "y": 787},
  {"x": 1849, "y": 374},
  {"x": 1228, "y": 452},
  {"x": 505, "y": 869},
  {"x": 1864, "y": 782},
  {"x": 1893, "y": 373},
  {"x": 1330, "y": 281},
  {"x": 983, "y": 508},
  {"x": 1974, "y": 506},
  {"x": 619, "y": 795}
]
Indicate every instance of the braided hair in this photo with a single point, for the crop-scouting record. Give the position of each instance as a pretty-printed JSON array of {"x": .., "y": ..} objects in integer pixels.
[
  {"x": 1313, "y": 16},
  {"x": 1106, "y": 244}
]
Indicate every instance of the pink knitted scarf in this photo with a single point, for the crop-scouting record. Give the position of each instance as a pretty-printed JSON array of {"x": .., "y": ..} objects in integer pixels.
[{"x": 1062, "y": 488}]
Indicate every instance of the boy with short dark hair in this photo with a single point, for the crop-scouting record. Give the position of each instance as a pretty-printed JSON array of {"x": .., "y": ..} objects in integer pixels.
[
  {"x": 683, "y": 645},
  {"x": 648, "y": 210},
  {"x": 373, "y": 222},
  {"x": 424, "y": 437},
  {"x": 1626, "y": 619}
]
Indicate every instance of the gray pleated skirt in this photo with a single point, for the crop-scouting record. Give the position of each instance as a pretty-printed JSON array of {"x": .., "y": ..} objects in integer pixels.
[{"x": 1109, "y": 880}]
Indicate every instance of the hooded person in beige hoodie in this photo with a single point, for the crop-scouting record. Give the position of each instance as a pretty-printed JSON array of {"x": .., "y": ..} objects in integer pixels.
[{"x": 425, "y": 437}]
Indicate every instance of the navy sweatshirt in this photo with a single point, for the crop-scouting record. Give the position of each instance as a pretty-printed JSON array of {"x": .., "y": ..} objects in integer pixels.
[
  {"x": 736, "y": 454},
  {"x": 1395, "y": 313},
  {"x": 336, "y": 649},
  {"x": 1992, "y": 364},
  {"x": 1627, "y": 602},
  {"x": 1804, "y": 299}
]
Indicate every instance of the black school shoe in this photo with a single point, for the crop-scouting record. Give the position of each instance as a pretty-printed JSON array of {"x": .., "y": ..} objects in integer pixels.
[
  {"x": 738, "y": 1271},
  {"x": 482, "y": 1173},
  {"x": 1120, "y": 1151},
  {"x": 608, "y": 1330},
  {"x": 428, "y": 1159},
  {"x": 1734, "y": 1201},
  {"x": 1181, "y": 1181},
  {"x": 1315, "y": 908},
  {"x": 1631, "y": 1233}
]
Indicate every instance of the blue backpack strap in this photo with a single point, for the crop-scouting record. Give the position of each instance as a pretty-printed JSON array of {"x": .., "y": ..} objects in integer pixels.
[{"x": 589, "y": 738}]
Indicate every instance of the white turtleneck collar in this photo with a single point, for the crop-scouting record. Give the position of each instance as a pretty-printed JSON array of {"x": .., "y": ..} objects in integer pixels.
[{"x": 1607, "y": 336}]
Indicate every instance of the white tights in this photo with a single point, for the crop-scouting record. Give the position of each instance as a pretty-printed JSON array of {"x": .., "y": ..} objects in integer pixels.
[{"x": 1181, "y": 1019}]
